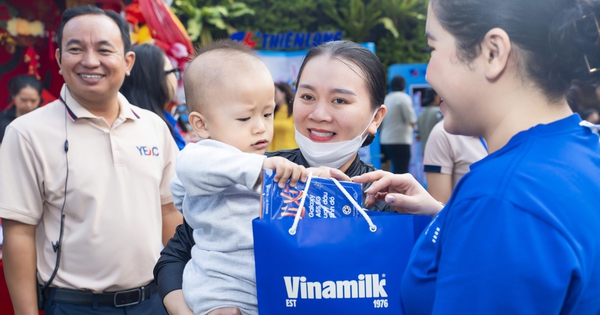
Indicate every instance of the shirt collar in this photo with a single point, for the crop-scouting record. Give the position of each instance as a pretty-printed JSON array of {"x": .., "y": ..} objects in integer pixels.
[{"x": 76, "y": 110}]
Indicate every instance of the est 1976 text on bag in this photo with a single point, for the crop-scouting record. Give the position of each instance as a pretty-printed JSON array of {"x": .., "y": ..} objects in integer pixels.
[{"x": 333, "y": 266}]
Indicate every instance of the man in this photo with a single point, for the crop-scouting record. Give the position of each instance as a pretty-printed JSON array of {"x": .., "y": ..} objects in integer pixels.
[
  {"x": 101, "y": 164},
  {"x": 397, "y": 127},
  {"x": 429, "y": 117}
]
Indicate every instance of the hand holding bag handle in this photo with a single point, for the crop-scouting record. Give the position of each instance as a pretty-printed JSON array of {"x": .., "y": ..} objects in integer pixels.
[{"x": 292, "y": 230}]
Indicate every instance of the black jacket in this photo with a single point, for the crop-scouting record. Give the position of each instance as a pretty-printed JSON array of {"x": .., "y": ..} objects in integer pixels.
[
  {"x": 6, "y": 118},
  {"x": 168, "y": 271}
]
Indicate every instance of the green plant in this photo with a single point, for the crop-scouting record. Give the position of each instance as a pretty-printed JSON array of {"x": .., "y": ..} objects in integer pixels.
[
  {"x": 403, "y": 13},
  {"x": 357, "y": 20},
  {"x": 277, "y": 16},
  {"x": 409, "y": 18},
  {"x": 203, "y": 21}
]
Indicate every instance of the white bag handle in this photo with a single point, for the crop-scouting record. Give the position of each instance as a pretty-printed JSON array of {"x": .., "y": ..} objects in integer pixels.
[{"x": 292, "y": 230}]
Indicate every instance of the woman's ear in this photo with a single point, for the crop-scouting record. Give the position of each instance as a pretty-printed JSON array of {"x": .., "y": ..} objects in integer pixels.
[
  {"x": 198, "y": 123},
  {"x": 377, "y": 120},
  {"x": 495, "y": 51}
]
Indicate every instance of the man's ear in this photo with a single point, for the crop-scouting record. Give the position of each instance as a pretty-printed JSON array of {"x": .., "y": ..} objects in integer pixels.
[
  {"x": 377, "y": 120},
  {"x": 129, "y": 61},
  {"x": 58, "y": 59},
  {"x": 198, "y": 123},
  {"x": 495, "y": 51}
]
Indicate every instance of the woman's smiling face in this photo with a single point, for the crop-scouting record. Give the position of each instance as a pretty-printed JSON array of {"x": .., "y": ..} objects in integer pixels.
[
  {"x": 457, "y": 82},
  {"x": 332, "y": 102}
]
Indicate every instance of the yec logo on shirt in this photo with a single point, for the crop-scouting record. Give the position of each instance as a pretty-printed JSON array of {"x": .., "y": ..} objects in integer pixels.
[{"x": 148, "y": 151}]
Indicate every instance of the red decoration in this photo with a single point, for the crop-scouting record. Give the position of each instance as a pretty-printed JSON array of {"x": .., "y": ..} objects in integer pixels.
[
  {"x": 45, "y": 11},
  {"x": 4, "y": 13},
  {"x": 164, "y": 26},
  {"x": 13, "y": 51},
  {"x": 51, "y": 49},
  {"x": 133, "y": 14},
  {"x": 32, "y": 58}
]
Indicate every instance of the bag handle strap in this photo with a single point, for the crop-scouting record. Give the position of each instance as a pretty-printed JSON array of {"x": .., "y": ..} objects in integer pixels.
[
  {"x": 372, "y": 226},
  {"x": 292, "y": 230}
]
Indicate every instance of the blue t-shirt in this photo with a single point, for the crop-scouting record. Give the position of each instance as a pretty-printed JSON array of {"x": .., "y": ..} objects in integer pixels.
[{"x": 521, "y": 233}]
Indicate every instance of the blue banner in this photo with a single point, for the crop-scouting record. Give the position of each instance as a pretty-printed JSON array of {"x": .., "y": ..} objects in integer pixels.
[{"x": 285, "y": 41}]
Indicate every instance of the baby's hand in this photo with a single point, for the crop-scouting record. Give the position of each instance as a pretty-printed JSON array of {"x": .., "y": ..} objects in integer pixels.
[{"x": 284, "y": 170}]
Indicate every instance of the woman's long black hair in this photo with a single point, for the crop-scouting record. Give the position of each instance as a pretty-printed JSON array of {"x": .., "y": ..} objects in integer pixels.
[{"x": 147, "y": 86}]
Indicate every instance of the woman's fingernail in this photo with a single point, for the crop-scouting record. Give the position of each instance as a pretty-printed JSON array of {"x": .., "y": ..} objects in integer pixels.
[{"x": 390, "y": 199}]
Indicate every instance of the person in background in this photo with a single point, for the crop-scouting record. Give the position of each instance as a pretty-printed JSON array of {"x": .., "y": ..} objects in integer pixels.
[
  {"x": 26, "y": 95},
  {"x": 591, "y": 115},
  {"x": 583, "y": 99},
  {"x": 152, "y": 84},
  {"x": 398, "y": 125},
  {"x": 447, "y": 159},
  {"x": 84, "y": 187},
  {"x": 429, "y": 117},
  {"x": 283, "y": 128},
  {"x": 338, "y": 107},
  {"x": 520, "y": 233}
]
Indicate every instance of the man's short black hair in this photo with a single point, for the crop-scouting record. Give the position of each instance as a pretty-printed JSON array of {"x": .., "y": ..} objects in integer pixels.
[
  {"x": 398, "y": 83},
  {"x": 88, "y": 9}
]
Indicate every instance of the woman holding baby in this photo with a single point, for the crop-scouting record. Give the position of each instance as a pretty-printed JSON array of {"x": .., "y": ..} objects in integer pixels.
[{"x": 338, "y": 107}]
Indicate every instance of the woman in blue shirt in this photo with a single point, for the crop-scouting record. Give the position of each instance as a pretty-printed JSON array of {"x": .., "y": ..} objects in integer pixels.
[{"x": 520, "y": 233}]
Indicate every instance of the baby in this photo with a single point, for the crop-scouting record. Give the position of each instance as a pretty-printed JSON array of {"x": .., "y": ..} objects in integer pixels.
[{"x": 230, "y": 96}]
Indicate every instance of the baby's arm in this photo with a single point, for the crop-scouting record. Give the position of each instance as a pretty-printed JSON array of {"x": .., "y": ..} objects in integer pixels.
[
  {"x": 285, "y": 169},
  {"x": 209, "y": 167}
]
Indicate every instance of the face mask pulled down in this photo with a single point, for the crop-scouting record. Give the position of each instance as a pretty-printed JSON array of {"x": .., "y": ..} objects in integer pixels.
[{"x": 330, "y": 154}]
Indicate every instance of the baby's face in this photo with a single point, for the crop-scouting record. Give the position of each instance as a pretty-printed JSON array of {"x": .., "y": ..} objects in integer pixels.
[{"x": 242, "y": 114}]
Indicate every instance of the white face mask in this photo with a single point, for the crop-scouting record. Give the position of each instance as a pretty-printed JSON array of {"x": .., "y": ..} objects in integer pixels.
[{"x": 330, "y": 154}]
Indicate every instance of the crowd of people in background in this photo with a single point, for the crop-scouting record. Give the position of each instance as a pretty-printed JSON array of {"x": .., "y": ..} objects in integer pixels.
[{"x": 92, "y": 189}]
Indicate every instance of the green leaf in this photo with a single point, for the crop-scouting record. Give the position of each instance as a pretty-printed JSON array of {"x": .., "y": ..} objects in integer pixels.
[
  {"x": 389, "y": 25},
  {"x": 231, "y": 29},
  {"x": 194, "y": 27},
  {"x": 218, "y": 23}
]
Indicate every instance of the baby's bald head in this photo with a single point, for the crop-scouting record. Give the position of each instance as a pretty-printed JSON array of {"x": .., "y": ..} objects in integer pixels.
[{"x": 214, "y": 70}]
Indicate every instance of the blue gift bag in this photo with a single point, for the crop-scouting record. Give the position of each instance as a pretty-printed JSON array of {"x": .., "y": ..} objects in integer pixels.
[{"x": 333, "y": 266}]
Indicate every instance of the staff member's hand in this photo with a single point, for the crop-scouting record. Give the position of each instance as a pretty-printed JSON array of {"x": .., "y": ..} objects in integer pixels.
[{"x": 401, "y": 191}]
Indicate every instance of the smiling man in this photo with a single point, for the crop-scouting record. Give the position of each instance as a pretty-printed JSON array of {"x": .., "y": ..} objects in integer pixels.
[{"x": 84, "y": 191}]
